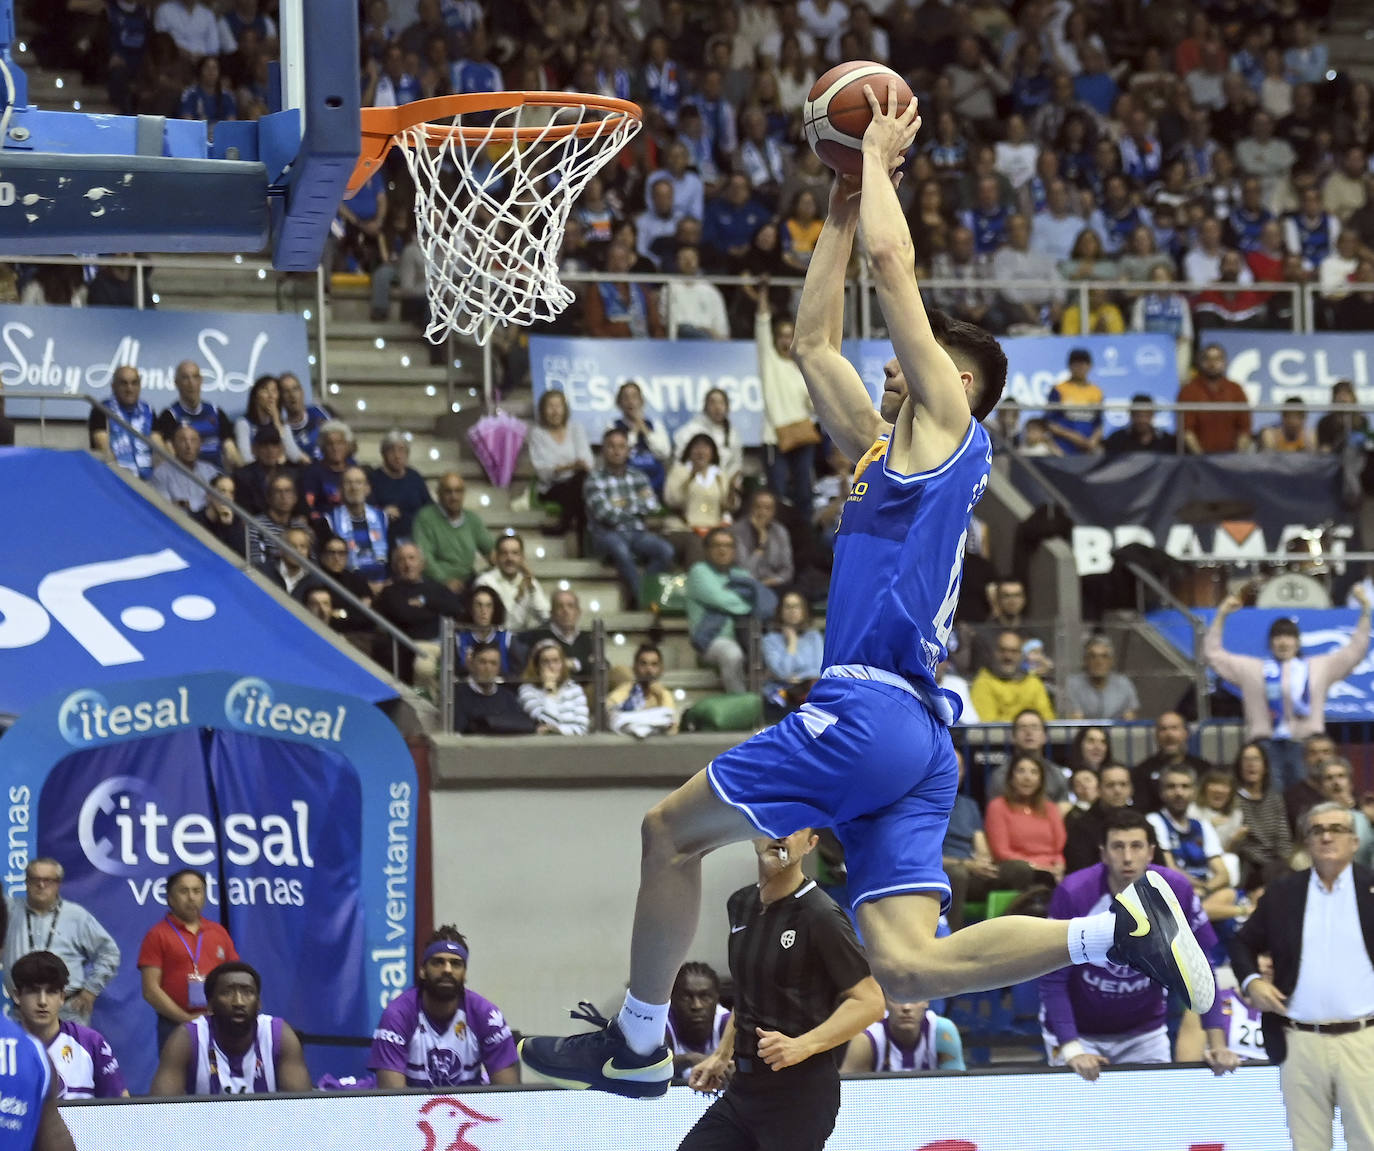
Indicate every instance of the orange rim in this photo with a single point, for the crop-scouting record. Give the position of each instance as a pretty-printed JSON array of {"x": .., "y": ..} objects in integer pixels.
[{"x": 381, "y": 126}]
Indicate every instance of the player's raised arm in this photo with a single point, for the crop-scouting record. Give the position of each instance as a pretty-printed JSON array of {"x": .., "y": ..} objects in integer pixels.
[
  {"x": 934, "y": 385},
  {"x": 842, "y": 402}
]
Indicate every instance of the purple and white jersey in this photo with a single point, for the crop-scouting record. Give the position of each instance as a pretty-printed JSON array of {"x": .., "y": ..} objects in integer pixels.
[
  {"x": 680, "y": 1046},
  {"x": 1109, "y": 999},
  {"x": 1244, "y": 1035},
  {"x": 86, "y": 1063},
  {"x": 407, "y": 1040},
  {"x": 213, "y": 1071},
  {"x": 888, "y": 1055}
]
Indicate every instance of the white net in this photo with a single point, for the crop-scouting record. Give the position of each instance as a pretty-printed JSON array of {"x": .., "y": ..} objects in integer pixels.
[{"x": 491, "y": 202}]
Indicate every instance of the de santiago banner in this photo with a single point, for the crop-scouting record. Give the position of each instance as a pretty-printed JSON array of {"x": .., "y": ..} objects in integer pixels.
[
  {"x": 299, "y": 806},
  {"x": 675, "y": 375},
  {"x": 71, "y": 352},
  {"x": 1136, "y": 498}
]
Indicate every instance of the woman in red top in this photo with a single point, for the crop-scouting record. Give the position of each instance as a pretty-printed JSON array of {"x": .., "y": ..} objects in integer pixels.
[{"x": 1022, "y": 824}]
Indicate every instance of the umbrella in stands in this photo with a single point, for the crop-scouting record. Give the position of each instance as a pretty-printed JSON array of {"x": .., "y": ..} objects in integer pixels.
[{"x": 497, "y": 440}]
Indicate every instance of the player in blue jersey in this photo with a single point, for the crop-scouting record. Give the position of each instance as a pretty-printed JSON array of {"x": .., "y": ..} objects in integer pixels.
[
  {"x": 869, "y": 753},
  {"x": 29, "y": 1087}
]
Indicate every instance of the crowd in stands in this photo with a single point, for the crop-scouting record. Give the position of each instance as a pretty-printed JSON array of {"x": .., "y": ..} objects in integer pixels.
[
  {"x": 1168, "y": 142},
  {"x": 1206, "y": 144}
]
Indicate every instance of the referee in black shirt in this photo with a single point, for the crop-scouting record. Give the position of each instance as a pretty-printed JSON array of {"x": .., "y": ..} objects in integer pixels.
[{"x": 802, "y": 991}]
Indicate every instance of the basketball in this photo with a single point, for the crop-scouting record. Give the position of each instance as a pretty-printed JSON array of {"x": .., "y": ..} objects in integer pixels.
[{"x": 836, "y": 113}]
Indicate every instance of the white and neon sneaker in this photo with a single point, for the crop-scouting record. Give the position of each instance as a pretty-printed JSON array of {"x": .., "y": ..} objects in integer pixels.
[
  {"x": 1153, "y": 936},
  {"x": 599, "y": 1059}
]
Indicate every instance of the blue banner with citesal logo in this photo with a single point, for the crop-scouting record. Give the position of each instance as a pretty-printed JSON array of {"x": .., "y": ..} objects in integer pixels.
[
  {"x": 298, "y": 805},
  {"x": 675, "y": 375},
  {"x": 75, "y": 353}
]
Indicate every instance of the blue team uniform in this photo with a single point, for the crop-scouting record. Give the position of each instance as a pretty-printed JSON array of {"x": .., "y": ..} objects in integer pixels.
[
  {"x": 25, "y": 1079},
  {"x": 869, "y": 753}
]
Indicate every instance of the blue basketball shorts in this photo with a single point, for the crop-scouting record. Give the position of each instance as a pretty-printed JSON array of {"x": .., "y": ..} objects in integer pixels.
[{"x": 862, "y": 757}]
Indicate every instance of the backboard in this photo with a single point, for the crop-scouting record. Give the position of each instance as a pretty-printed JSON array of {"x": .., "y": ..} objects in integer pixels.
[{"x": 76, "y": 183}]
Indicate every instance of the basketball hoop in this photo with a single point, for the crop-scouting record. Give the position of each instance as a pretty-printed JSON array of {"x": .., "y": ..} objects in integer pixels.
[{"x": 496, "y": 175}]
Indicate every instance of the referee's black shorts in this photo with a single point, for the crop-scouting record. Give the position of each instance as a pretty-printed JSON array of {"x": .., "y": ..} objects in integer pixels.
[{"x": 763, "y": 1110}]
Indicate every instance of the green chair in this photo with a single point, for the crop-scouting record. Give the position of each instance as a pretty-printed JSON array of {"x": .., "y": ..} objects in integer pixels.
[
  {"x": 742, "y": 711},
  {"x": 550, "y": 508},
  {"x": 664, "y": 593},
  {"x": 999, "y": 901}
]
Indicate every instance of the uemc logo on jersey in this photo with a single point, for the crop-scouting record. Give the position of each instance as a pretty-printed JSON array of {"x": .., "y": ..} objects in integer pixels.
[
  {"x": 123, "y": 831},
  {"x": 249, "y": 705},
  {"x": 62, "y": 596}
]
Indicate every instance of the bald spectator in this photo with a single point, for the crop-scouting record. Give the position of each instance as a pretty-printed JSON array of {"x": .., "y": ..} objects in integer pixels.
[
  {"x": 565, "y": 614},
  {"x": 414, "y": 603},
  {"x": 173, "y": 480},
  {"x": 1171, "y": 750},
  {"x": 113, "y": 442},
  {"x": 1211, "y": 432},
  {"x": 1004, "y": 688},
  {"x": 216, "y": 429},
  {"x": 450, "y": 536},
  {"x": 361, "y": 526}
]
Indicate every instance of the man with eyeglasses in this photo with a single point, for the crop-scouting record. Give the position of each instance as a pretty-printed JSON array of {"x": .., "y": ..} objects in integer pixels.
[
  {"x": 43, "y": 921},
  {"x": 1318, "y": 927}
]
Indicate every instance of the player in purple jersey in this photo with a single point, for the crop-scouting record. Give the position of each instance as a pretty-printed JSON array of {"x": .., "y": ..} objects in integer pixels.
[
  {"x": 869, "y": 754},
  {"x": 84, "y": 1060},
  {"x": 440, "y": 1033},
  {"x": 238, "y": 1049},
  {"x": 1105, "y": 1013}
]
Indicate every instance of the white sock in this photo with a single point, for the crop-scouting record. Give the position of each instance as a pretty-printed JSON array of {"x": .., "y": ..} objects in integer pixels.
[
  {"x": 1091, "y": 937},
  {"x": 643, "y": 1024}
]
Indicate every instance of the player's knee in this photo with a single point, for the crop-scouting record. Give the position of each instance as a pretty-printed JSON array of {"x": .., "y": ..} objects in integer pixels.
[
  {"x": 657, "y": 836},
  {"x": 906, "y": 977},
  {"x": 664, "y": 839},
  {"x": 902, "y": 982}
]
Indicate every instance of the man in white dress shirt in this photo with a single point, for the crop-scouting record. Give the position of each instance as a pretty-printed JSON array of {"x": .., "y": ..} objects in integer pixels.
[{"x": 1318, "y": 927}]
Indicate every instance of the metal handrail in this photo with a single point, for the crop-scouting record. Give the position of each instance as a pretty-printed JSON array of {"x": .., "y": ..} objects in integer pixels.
[
  {"x": 252, "y": 524},
  {"x": 1199, "y": 630}
]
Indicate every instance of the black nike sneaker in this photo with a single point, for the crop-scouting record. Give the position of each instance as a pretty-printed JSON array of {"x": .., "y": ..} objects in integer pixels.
[
  {"x": 1153, "y": 936},
  {"x": 599, "y": 1059}
]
